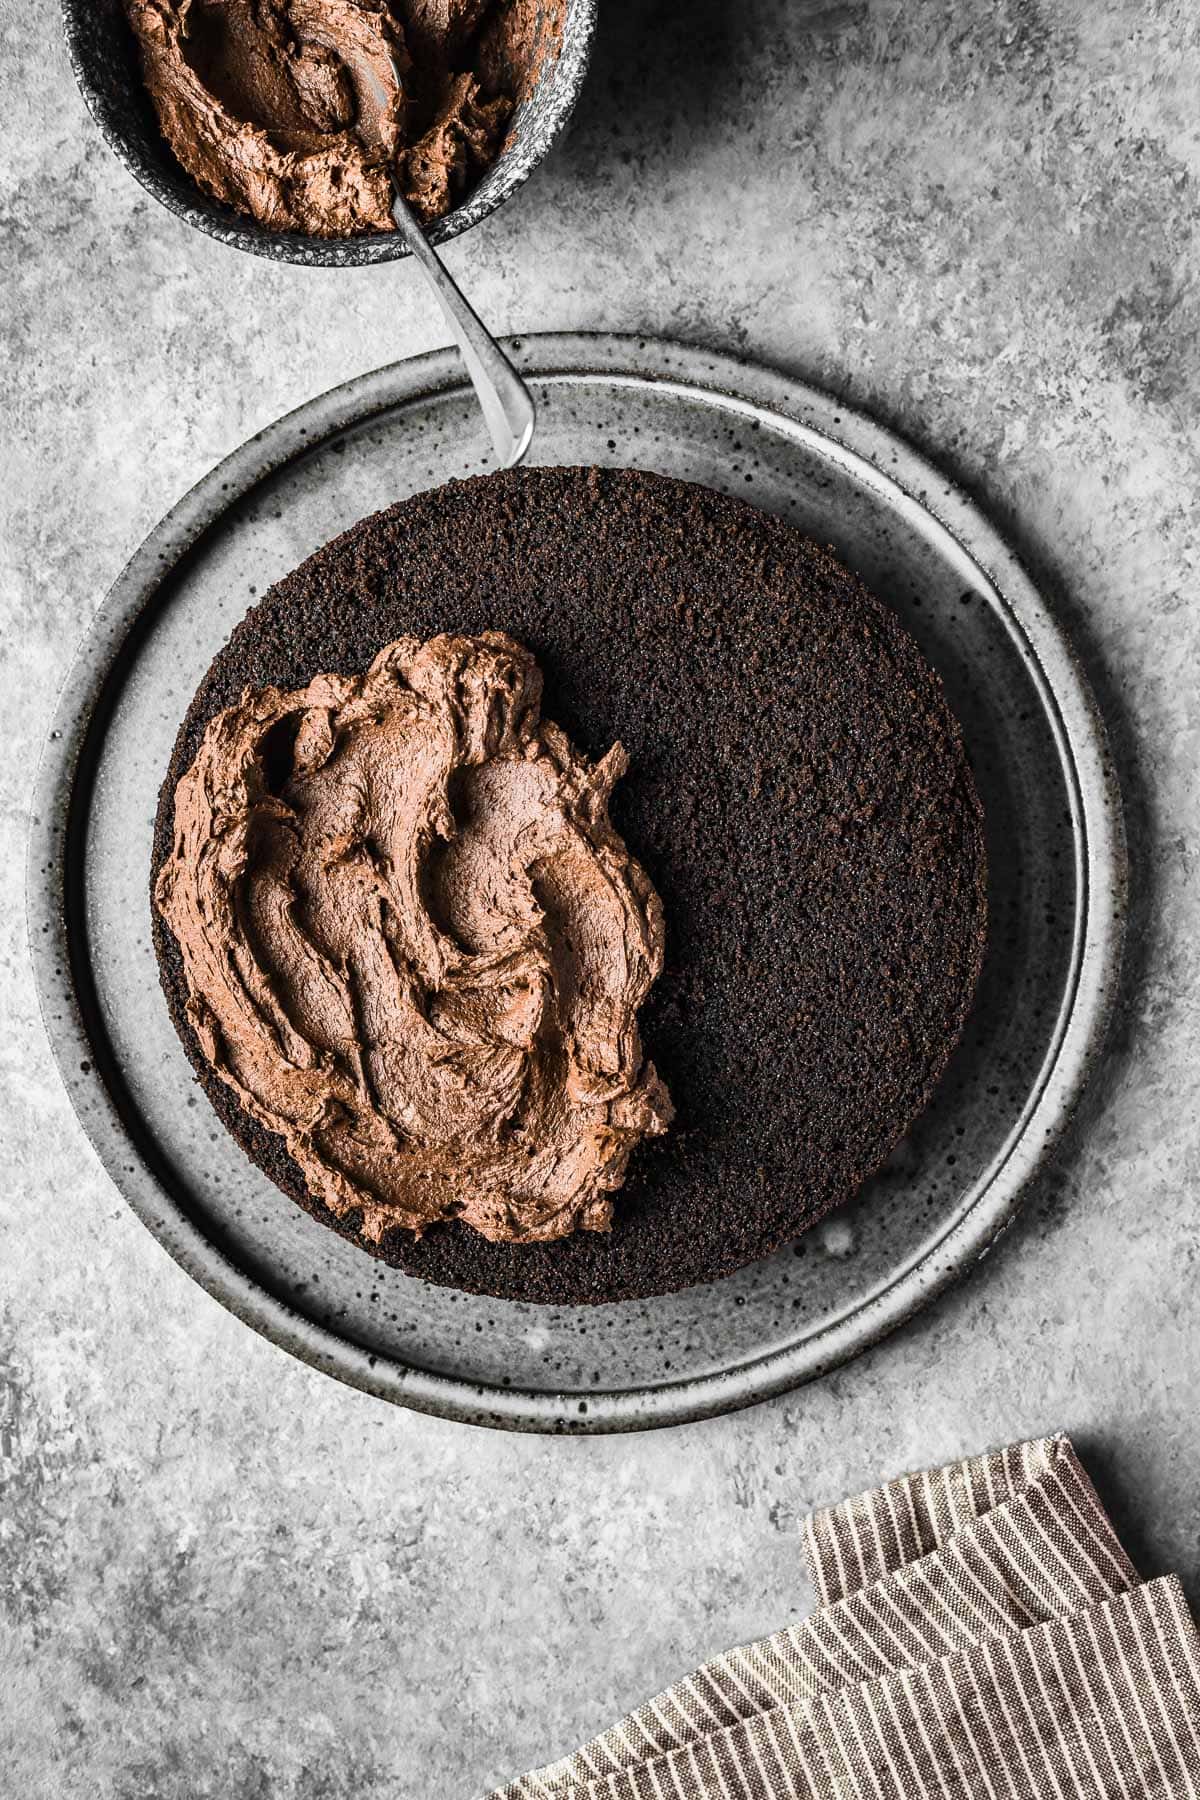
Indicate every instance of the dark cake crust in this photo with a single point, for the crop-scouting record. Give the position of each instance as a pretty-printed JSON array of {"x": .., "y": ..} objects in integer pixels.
[{"x": 798, "y": 794}]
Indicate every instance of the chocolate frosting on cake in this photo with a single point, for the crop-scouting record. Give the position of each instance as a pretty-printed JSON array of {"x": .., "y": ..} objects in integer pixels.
[
  {"x": 415, "y": 947},
  {"x": 303, "y": 113}
]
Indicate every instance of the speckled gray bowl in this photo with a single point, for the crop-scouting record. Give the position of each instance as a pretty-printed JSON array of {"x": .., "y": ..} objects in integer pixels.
[
  {"x": 1056, "y": 891},
  {"x": 104, "y": 58}
]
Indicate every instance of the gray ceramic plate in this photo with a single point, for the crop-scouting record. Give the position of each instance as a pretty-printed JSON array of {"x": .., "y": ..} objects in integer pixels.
[{"x": 1057, "y": 891}]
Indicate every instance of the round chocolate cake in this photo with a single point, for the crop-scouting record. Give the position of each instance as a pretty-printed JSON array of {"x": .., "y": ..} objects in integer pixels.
[{"x": 797, "y": 798}]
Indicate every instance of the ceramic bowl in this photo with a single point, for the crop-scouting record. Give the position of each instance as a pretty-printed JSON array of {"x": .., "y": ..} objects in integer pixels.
[{"x": 104, "y": 57}]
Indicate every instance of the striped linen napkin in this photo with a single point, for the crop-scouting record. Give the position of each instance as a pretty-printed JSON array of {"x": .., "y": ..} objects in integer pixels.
[{"x": 980, "y": 1632}]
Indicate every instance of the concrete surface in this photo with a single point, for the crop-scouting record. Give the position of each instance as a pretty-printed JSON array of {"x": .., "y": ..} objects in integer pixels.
[{"x": 224, "y": 1575}]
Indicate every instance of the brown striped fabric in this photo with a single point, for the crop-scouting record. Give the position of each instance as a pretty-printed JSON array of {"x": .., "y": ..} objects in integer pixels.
[{"x": 980, "y": 1632}]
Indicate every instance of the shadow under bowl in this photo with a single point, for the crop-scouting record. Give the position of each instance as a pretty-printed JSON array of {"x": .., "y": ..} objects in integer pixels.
[{"x": 104, "y": 57}]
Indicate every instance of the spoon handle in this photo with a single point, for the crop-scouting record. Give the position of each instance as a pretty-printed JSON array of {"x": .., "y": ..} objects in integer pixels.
[{"x": 508, "y": 408}]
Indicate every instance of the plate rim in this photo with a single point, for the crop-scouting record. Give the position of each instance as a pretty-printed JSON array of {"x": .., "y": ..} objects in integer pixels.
[{"x": 906, "y": 477}]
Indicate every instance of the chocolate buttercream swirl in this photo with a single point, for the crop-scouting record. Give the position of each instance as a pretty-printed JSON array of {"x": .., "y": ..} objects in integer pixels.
[
  {"x": 303, "y": 113},
  {"x": 414, "y": 945}
]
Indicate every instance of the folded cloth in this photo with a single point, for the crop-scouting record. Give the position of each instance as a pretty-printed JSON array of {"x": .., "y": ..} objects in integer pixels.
[{"x": 980, "y": 1633}]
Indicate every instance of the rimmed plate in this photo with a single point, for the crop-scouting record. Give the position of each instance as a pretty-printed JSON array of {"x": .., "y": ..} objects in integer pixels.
[{"x": 1057, "y": 891}]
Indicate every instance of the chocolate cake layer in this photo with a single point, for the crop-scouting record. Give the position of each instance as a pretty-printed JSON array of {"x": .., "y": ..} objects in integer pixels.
[{"x": 798, "y": 794}]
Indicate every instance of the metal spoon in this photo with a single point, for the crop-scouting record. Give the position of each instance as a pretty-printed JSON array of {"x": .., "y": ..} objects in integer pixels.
[
  {"x": 508, "y": 408},
  {"x": 507, "y": 404}
]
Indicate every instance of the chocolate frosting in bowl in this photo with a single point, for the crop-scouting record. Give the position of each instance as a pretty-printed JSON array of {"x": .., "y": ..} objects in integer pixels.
[
  {"x": 414, "y": 945},
  {"x": 304, "y": 113}
]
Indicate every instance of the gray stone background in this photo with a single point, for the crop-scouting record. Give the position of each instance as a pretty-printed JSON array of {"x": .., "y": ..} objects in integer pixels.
[{"x": 222, "y": 1574}]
